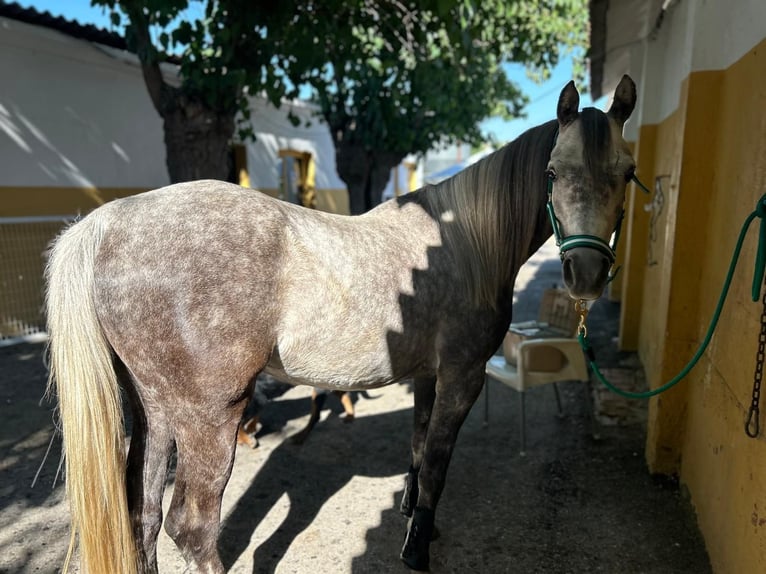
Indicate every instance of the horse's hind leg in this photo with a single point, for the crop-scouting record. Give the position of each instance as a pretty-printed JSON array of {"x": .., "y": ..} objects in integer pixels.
[
  {"x": 205, "y": 458},
  {"x": 425, "y": 392},
  {"x": 454, "y": 397},
  {"x": 151, "y": 445}
]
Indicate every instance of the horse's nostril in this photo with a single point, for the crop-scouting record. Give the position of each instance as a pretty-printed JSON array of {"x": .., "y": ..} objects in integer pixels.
[{"x": 568, "y": 272}]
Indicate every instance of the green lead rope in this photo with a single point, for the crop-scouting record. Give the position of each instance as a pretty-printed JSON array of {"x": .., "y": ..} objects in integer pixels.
[{"x": 760, "y": 263}]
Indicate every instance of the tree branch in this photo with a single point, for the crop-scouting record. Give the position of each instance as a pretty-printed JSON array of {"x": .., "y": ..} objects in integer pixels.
[{"x": 147, "y": 55}]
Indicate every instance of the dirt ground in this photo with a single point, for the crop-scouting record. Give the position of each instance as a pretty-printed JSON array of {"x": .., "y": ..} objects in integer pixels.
[{"x": 571, "y": 505}]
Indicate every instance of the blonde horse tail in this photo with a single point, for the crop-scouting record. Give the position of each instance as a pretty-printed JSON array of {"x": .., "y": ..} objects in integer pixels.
[{"x": 83, "y": 377}]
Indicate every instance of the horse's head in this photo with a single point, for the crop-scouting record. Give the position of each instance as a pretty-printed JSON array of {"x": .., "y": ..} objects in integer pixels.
[{"x": 589, "y": 168}]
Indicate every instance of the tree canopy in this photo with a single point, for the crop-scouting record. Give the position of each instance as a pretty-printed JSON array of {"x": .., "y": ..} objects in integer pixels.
[
  {"x": 390, "y": 77},
  {"x": 394, "y": 78}
]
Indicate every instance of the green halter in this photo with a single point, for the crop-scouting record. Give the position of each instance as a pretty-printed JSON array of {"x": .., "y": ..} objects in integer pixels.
[{"x": 571, "y": 241}]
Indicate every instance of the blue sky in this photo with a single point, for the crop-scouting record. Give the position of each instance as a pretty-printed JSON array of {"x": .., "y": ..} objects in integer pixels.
[{"x": 543, "y": 96}]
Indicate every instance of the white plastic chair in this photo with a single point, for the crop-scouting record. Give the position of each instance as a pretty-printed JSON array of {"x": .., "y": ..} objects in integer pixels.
[{"x": 519, "y": 378}]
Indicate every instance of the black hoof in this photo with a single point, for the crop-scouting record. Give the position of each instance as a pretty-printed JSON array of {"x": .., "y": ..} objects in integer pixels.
[
  {"x": 410, "y": 495},
  {"x": 417, "y": 540}
]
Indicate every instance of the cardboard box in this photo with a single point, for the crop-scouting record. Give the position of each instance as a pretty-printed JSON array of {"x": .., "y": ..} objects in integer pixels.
[
  {"x": 557, "y": 318},
  {"x": 544, "y": 359}
]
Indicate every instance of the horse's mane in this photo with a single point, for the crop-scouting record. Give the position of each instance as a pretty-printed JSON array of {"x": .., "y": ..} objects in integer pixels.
[{"x": 492, "y": 213}]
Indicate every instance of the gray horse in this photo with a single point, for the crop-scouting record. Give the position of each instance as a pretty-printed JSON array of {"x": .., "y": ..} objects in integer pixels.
[{"x": 184, "y": 294}]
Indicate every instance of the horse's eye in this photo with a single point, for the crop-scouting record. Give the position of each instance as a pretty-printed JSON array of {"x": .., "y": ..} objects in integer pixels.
[
  {"x": 551, "y": 173},
  {"x": 630, "y": 174}
]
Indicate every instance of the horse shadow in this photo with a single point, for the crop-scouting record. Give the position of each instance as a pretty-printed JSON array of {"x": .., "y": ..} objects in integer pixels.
[
  {"x": 311, "y": 474},
  {"x": 276, "y": 415}
]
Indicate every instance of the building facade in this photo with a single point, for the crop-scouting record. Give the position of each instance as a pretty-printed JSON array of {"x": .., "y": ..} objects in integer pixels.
[{"x": 699, "y": 137}]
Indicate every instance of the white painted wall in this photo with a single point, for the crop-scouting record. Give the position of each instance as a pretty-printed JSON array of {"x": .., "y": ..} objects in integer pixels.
[
  {"x": 668, "y": 62},
  {"x": 274, "y": 132},
  {"x": 726, "y": 30},
  {"x": 73, "y": 116},
  {"x": 695, "y": 35}
]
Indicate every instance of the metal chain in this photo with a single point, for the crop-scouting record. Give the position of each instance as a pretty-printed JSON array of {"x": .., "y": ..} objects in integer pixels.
[{"x": 752, "y": 424}]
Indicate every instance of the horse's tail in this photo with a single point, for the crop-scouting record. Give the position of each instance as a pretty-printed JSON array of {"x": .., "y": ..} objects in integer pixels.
[{"x": 90, "y": 411}]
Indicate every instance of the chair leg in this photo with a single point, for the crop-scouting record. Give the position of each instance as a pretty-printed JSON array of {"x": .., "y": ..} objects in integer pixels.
[
  {"x": 558, "y": 400},
  {"x": 595, "y": 430},
  {"x": 522, "y": 423},
  {"x": 486, "y": 401}
]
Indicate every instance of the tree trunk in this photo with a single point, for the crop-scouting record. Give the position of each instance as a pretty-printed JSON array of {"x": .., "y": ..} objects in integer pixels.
[
  {"x": 197, "y": 141},
  {"x": 365, "y": 173},
  {"x": 197, "y": 137}
]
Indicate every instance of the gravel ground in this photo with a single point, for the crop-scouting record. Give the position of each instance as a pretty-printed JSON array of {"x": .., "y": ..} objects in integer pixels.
[{"x": 571, "y": 505}]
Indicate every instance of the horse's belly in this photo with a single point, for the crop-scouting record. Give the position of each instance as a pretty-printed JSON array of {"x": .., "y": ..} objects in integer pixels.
[
  {"x": 330, "y": 379},
  {"x": 348, "y": 361}
]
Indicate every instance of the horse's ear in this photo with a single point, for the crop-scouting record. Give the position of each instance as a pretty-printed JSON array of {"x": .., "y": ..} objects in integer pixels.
[
  {"x": 624, "y": 100},
  {"x": 569, "y": 103}
]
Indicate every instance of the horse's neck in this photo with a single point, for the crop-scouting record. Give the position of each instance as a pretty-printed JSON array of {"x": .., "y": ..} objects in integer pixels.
[{"x": 494, "y": 214}]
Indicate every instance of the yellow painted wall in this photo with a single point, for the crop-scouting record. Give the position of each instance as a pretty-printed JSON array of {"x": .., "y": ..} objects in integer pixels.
[
  {"x": 725, "y": 470},
  {"x": 33, "y": 201},
  {"x": 616, "y": 286},
  {"x": 713, "y": 150},
  {"x": 635, "y": 241},
  {"x": 654, "y": 305},
  {"x": 329, "y": 200}
]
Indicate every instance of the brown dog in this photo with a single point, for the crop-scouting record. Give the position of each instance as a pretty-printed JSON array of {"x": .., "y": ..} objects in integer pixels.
[{"x": 266, "y": 389}]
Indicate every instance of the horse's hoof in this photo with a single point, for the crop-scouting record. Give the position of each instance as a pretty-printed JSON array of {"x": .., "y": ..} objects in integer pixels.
[
  {"x": 417, "y": 540},
  {"x": 413, "y": 560}
]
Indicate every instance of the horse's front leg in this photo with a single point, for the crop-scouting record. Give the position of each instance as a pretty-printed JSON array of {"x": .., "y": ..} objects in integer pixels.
[
  {"x": 455, "y": 394},
  {"x": 425, "y": 392}
]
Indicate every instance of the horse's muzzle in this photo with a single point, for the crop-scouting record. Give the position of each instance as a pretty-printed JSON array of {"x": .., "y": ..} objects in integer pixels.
[{"x": 585, "y": 272}]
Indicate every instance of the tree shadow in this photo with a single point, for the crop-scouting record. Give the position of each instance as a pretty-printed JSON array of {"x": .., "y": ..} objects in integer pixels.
[{"x": 26, "y": 429}]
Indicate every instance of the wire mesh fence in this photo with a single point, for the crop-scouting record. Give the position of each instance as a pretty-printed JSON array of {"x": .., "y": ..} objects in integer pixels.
[{"x": 24, "y": 242}]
